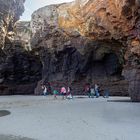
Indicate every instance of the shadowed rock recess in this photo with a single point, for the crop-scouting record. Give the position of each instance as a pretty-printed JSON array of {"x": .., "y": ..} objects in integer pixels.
[{"x": 88, "y": 41}]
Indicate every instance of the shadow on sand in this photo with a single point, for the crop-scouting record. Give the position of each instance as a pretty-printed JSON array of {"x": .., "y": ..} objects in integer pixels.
[
  {"x": 81, "y": 97},
  {"x": 10, "y": 137},
  {"x": 4, "y": 113},
  {"x": 121, "y": 101}
]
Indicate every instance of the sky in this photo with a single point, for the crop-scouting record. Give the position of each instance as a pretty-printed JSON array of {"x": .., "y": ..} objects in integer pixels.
[{"x": 32, "y": 5}]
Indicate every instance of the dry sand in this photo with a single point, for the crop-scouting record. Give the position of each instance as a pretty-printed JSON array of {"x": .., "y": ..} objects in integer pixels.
[{"x": 42, "y": 118}]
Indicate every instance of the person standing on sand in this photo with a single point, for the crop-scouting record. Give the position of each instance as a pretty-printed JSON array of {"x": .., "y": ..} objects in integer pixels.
[
  {"x": 92, "y": 92},
  {"x": 44, "y": 90},
  {"x": 69, "y": 95},
  {"x": 55, "y": 93},
  {"x": 97, "y": 90},
  {"x": 87, "y": 90},
  {"x": 106, "y": 93},
  {"x": 63, "y": 92},
  {"x": 68, "y": 90}
]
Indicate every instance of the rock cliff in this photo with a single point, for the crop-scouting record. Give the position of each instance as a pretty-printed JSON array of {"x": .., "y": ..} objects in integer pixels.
[
  {"x": 85, "y": 41},
  {"x": 19, "y": 68},
  {"x": 10, "y": 11},
  {"x": 23, "y": 34},
  {"x": 79, "y": 43},
  {"x": 90, "y": 41},
  {"x": 107, "y": 20}
]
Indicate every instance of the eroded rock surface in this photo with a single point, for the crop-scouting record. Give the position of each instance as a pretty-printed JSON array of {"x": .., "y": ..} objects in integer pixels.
[
  {"x": 19, "y": 69},
  {"x": 90, "y": 41},
  {"x": 69, "y": 56},
  {"x": 131, "y": 69},
  {"x": 10, "y": 11},
  {"x": 23, "y": 34}
]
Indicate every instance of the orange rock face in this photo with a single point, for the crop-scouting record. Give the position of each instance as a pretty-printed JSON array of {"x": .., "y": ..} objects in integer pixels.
[{"x": 99, "y": 19}]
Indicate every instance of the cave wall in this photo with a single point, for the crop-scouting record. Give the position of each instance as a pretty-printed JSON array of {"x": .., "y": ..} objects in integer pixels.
[
  {"x": 70, "y": 58},
  {"x": 68, "y": 34},
  {"x": 85, "y": 41},
  {"x": 131, "y": 69},
  {"x": 19, "y": 71}
]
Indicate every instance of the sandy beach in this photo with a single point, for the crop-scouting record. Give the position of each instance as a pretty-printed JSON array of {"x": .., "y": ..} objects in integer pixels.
[{"x": 42, "y": 118}]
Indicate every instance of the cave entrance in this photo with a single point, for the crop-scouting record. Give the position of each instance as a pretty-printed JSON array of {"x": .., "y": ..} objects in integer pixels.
[
  {"x": 108, "y": 66},
  {"x": 107, "y": 73}
]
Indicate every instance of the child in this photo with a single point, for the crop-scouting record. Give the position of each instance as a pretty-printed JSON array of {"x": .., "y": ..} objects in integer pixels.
[
  {"x": 87, "y": 90},
  {"x": 92, "y": 92},
  {"x": 55, "y": 93},
  {"x": 44, "y": 90}
]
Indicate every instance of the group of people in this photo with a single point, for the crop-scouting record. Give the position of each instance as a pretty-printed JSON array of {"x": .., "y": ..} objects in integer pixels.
[
  {"x": 65, "y": 92},
  {"x": 93, "y": 91}
]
